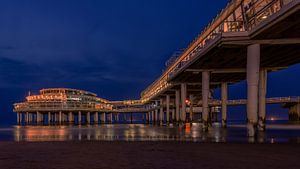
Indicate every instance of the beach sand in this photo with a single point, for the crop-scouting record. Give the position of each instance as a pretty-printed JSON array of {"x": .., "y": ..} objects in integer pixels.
[{"x": 147, "y": 155}]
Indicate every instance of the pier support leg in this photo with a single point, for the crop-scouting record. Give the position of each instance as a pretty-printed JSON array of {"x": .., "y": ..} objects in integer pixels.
[
  {"x": 88, "y": 118},
  {"x": 183, "y": 103},
  {"x": 168, "y": 108},
  {"x": 161, "y": 112},
  {"x": 262, "y": 100},
  {"x": 103, "y": 118},
  {"x": 152, "y": 116},
  {"x": 224, "y": 98},
  {"x": 177, "y": 105},
  {"x": 131, "y": 118},
  {"x": 71, "y": 118},
  {"x": 96, "y": 118},
  {"x": 111, "y": 118},
  {"x": 18, "y": 118},
  {"x": 253, "y": 64},
  {"x": 60, "y": 117},
  {"x": 79, "y": 117},
  {"x": 49, "y": 118},
  {"x": 191, "y": 108},
  {"x": 205, "y": 96},
  {"x": 173, "y": 116}
]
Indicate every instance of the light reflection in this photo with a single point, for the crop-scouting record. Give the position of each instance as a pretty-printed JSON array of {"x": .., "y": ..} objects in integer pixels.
[{"x": 134, "y": 132}]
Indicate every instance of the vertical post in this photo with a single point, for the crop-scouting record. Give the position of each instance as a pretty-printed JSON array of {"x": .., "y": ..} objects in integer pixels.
[
  {"x": 183, "y": 103},
  {"x": 103, "y": 118},
  {"x": 79, "y": 117},
  {"x": 71, "y": 118},
  {"x": 49, "y": 118},
  {"x": 168, "y": 108},
  {"x": 224, "y": 98},
  {"x": 173, "y": 115},
  {"x": 18, "y": 118},
  {"x": 152, "y": 116},
  {"x": 177, "y": 104},
  {"x": 131, "y": 118},
  {"x": 262, "y": 100},
  {"x": 96, "y": 118},
  {"x": 191, "y": 107},
  {"x": 88, "y": 117},
  {"x": 60, "y": 117},
  {"x": 253, "y": 64},
  {"x": 161, "y": 112},
  {"x": 156, "y": 112},
  {"x": 27, "y": 117},
  {"x": 111, "y": 117},
  {"x": 205, "y": 96}
]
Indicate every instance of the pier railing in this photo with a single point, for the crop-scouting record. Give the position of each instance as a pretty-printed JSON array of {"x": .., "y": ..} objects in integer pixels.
[{"x": 238, "y": 16}]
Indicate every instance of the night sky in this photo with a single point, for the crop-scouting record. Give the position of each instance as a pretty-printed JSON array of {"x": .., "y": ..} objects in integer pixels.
[{"x": 114, "y": 48}]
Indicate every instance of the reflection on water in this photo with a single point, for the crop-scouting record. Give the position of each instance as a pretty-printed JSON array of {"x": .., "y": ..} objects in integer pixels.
[{"x": 139, "y": 132}]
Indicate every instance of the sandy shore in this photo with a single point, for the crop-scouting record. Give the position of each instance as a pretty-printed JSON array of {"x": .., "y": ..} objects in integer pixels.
[{"x": 147, "y": 155}]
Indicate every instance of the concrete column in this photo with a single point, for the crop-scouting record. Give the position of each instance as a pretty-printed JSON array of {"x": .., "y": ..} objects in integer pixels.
[
  {"x": 173, "y": 115},
  {"x": 79, "y": 117},
  {"x": 177, "y": 104},
  {"x": 191, "y": 107},
  {"x": 253, "y": 64},
  {"x": 96, "y": 118},
  {"x": 131, "y": 118},
  {"x": 224, "y": 98},
  {"x": 49, "y": 117},
  {"x": 103, "y": 117},
  {"x": 205, "y": 96},
  {"x": 183, "y": 103},
  {"x": 71, "y": 118},
  {"x": 60, "y": 117},
  {"x": 18, "y": 118},
  {"x": 161, "y": 112},
  {"x": 152, "y": 116},
  {"x": 156, "y": 112},
  {"x": 88, "y": 117},
  {"x": 38, "y": 117},
  {"x": 168, "y": 108},
  {"x": 111, "y": 117},
  {"x": 262, "y": 100}
]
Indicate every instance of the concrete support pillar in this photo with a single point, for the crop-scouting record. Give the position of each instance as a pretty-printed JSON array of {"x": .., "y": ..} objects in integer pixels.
[
  {"x": 183, "y": 103},
  {"x": 49, "y": 117},
  {"x": 168, "y": 108},
  {"x": 88, "y": 118},
  {"x": 224, "y": 98},
  {"x": 156, "y": 112},
  {"x": 103, "y": 117},
  {"x": 253, "y": 65},
  {"x": 79, "y": 117},
  {"x": 173, "y": 115},
  {"x": 161, "y": 112},
  {"x": 131, "y": 118},
  {"x": 96, "y": 118},
  {"x": 205, "y": 97},
  {"x": 111, "y": 117},
  {"x": 38, "y": 117},
  {"x": 60, "y": 117},
  {"x": 71, "y": 117},
  {"x": 152, "y": 116},
  {"x": 262, "y": 99},
  {"x": 18, "y": 118},
  {"x": 191, "y": 107},
  {"x": 177, "y": 105}
]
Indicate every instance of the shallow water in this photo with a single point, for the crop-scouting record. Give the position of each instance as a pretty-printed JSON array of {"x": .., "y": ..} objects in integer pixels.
[{"x": 276, "y": 133}]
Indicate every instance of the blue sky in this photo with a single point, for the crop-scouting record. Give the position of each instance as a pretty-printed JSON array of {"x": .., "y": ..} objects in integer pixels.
[{"x": 113, "y": 48}]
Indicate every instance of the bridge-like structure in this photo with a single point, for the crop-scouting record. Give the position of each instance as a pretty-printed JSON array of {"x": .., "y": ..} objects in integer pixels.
[{"x": 246, "y": 40}]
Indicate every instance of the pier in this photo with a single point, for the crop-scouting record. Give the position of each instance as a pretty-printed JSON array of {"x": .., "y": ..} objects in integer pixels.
[{"x": 247, "y": 40}]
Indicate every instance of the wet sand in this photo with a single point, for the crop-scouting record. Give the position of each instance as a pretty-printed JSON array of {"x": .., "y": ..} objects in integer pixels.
[{"x": 147, "y": 155}]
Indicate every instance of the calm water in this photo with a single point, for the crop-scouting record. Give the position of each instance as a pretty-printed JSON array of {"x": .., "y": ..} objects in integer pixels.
[{"x": 276, "y": 133}]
